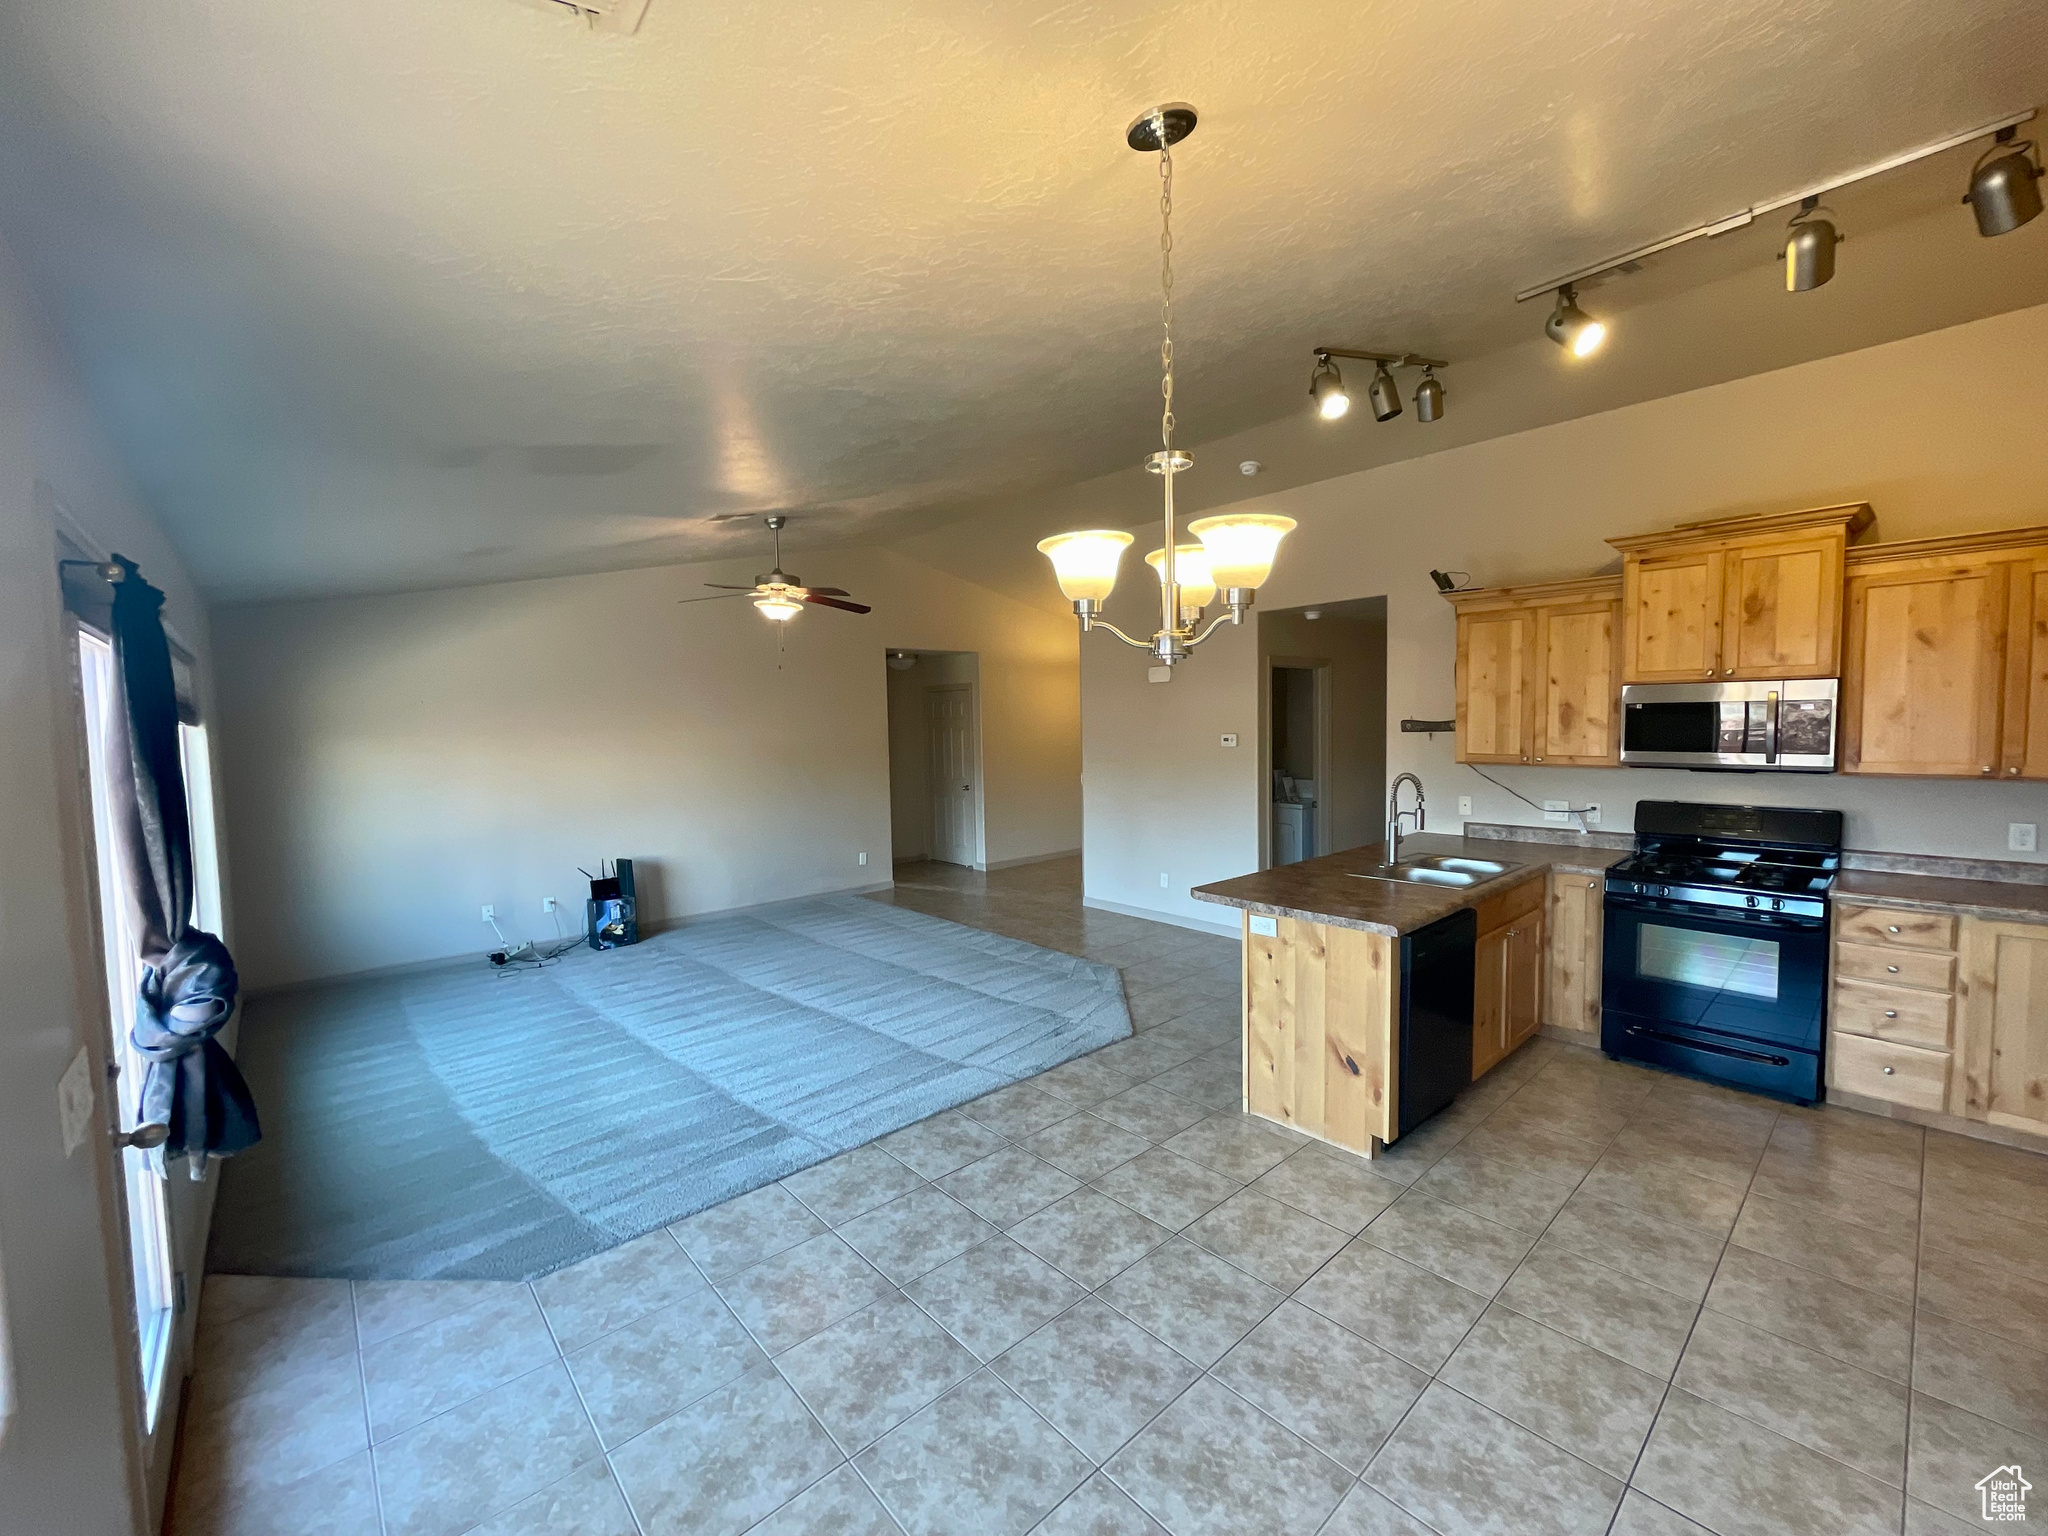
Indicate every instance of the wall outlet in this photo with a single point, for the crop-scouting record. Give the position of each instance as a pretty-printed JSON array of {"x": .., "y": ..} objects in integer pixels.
[
  {"x": 1265, "y": 927},
  {"x": 864, "y": 857},
  {"x": 2020, "y": 836},
  {"x": 1162, "y": 876},
  {"x": 1553, "y": 810},
  {"x": 1591, "y": 813},
  {"x": 1464, "y": 801},
  {"x": 491, "y": 913},
  {"x": 1229, "y": 737},
  {"x": 547, "y": 903}
]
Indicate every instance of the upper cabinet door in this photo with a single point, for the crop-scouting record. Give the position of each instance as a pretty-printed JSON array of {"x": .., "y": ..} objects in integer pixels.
[
  {"x": 1496, "y": 656},
  {"x": 1925, "y": 668},
  {"x": 1579, "y": 684},
  {"x": 1782, "y": 615},
  {"x": 2026, "y": 690},
  {"x": 1673, "y": 608}
]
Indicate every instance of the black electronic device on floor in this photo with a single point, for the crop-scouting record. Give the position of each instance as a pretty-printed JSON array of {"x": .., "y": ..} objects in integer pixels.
[
  {"x": 611, "y": 917},
  {"x": 1436, "y": 1015}
]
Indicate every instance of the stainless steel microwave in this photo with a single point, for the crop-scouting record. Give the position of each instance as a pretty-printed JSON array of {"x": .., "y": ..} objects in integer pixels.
[{"x": 1781, "y": 727}]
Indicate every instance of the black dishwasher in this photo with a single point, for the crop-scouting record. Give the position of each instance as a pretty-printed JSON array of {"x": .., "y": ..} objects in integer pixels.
[{"x": 1436, "y": 1015}]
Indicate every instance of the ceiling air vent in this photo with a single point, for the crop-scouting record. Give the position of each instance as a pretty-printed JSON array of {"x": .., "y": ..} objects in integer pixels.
[{"x": 598, "y": 15}]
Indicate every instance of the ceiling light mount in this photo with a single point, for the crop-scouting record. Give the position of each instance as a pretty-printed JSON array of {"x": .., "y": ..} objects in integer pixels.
[{"x": 1326, "y": 383}]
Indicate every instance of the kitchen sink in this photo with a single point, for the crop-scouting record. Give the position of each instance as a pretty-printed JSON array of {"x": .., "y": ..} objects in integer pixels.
[{"x": 1436, "y": 869}]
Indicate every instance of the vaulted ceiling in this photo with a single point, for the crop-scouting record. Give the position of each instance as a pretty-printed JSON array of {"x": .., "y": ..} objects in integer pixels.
[{"x": 396, "y": 294}]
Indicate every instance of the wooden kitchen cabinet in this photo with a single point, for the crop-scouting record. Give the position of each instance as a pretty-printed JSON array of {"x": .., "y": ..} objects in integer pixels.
[
  {"x": 1319, "y": 1032},
  {"x": 1507, "y": 978},
  {"x": 1575, "y": 919},
  {"x": 1755, "y": 598},
  {"x": 1946, "y": 658},
  {"x": 2004, "y": 1077},
  {"x": 1538, "y": 673}
]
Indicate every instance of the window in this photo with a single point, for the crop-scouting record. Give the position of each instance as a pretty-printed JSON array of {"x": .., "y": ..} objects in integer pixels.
[{"x": 150, "y": 1244}]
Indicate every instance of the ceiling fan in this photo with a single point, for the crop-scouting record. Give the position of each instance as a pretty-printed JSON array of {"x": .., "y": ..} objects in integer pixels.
[{"x": 780, "y": 595}]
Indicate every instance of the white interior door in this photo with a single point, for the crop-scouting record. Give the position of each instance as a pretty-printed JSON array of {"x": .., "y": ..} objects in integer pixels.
[{"x": 949, "y": 730}]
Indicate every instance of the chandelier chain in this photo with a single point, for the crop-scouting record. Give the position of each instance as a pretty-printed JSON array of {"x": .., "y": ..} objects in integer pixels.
[{"x": 1165, "y": 286}]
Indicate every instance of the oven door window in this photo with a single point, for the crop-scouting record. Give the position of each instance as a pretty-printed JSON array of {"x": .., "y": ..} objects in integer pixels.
[{"x": 1715, "y": 962}]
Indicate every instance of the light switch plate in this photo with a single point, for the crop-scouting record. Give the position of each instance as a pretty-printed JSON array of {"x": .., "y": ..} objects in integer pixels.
[
  {"x": 2021, "y": 836},
  {"x": 1265, "y": 927},
  {"x": 1230, "y": 738},
  {"x": 74, "y": 1102}
]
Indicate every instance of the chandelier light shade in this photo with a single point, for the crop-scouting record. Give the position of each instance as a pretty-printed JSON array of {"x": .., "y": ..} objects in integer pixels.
[
  {"x": 1085, "y": 563},
  {"x": 1241, "y": 546},
  {"x": 1236, "y": 552},
  {"x": 781, "y": 609},
  {"x": 1191, "y": 567}
]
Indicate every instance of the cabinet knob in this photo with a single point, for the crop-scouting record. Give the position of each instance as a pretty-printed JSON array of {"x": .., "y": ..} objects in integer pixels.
[
  {"x": 1889, "y": 1070},
  {"x": 1987, "y": 768},
  {"x": 1891, "y": 1013},
  {"x": 1893, "y": 969},
  {"x": 1539, "y": 757},
  {"x": 2014, "y": 769},
  {"x": 1710, "y": 671},
  {"x": 1893, "y": 928}
]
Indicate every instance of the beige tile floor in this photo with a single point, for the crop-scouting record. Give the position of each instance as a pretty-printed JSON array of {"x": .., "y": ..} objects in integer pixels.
[{"x": 1586, "y": 1298}]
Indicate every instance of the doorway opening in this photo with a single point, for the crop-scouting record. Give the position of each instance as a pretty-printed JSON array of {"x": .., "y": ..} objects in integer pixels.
[
  {"x": 1323, "y": 731},
  {"x": 935, "y": 798}
]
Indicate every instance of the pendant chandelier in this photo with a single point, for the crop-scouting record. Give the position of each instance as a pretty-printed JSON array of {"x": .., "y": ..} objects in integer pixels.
[{"x": 1235, "y": 555}]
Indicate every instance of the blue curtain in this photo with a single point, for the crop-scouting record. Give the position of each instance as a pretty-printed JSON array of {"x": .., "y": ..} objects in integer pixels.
[{"x": 188, "y": 986}]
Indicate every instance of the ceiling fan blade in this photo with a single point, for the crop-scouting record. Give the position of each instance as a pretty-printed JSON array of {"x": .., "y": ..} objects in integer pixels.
[
  {"x": 833, "y": 602},
  {"x": 726, "y": 586},
  {"x": 830, "y": 591},
  {"x": 723, "y": 597}
]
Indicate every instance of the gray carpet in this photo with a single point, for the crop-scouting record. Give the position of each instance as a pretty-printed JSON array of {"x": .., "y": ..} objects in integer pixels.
[{"x": 472, "y": 1125}]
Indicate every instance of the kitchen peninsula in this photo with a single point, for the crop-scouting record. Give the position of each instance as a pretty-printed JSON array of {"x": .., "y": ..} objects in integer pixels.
[{"x": 1323, "y": 981}]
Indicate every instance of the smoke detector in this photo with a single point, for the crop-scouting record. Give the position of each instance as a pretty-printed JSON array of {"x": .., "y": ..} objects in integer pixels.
[{"x": 598, "y": 15}]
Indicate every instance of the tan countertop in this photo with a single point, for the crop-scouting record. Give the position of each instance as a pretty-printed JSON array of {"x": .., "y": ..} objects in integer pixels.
[
  {"x": 1328, "y": 890},
  {"x": 1980, "y": 898}
]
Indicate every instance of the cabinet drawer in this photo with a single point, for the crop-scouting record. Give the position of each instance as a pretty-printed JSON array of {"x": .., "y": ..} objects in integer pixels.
[
  {"x": 1898, "y": 1074},
  {"x": 1896, "y": 926},
  {"x": 1894, "y": 1013},
  {"x": 1496, "y": 911},
  {"x": 1897, "y": 967}
]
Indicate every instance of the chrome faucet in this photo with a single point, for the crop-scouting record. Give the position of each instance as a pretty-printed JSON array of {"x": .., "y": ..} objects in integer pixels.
[{"x": 1395, "y": 813}]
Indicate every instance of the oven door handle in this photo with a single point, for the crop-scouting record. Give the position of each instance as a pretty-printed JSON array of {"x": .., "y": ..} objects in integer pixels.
[
  {"x": 1759, "y": 1057},
  {"x": 1771, "y": 726}
]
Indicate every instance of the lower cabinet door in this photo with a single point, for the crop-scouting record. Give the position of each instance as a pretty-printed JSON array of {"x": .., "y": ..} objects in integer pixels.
[
  {"x": 1525, "y": 978},
  {"x": 1490, "y": 998},
  {"x": 1573, "y": 927},
  {"x": 2005, "y": 1024}
]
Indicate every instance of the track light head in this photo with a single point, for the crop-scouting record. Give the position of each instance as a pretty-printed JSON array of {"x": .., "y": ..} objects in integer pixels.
[
  {"x": 1326, "y": 388},
  {"x": 1385, "y": 395},
  {"x": 2005, "y": 186},
  {"x": 1571, "y": 327},
  {"x": 1810, "y": 242},
  {"x": 1429, "y": 396}
]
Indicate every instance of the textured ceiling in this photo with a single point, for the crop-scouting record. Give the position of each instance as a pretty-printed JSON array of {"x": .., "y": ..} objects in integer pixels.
[{"x": 385, "y": 295}]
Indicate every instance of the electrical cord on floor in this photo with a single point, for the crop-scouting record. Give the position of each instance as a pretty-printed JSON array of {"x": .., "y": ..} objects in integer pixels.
[{"x": 1569, "y": 810}]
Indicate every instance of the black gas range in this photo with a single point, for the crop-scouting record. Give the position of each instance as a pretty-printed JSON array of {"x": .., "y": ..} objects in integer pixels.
[{"x": 1716, "y": 949}]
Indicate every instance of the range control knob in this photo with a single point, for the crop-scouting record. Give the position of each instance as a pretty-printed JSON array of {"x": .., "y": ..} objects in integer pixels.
[
  {"x": 1750, "y": 900},
  {"x": 1777, "y": 905}
]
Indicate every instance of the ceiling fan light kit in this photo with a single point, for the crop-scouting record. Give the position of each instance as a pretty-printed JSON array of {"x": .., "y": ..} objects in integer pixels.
[
  {"x": 1236, "y": 550},
  {"x": 778, "y": 595}
]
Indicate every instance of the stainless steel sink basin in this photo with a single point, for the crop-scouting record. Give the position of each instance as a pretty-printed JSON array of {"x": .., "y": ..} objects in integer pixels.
[{"x": 1436, "y": 869}]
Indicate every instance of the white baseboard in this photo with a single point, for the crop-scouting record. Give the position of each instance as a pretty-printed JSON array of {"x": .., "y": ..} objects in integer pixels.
[
  {"x": 1034, "y": 858},
  {"x": 474, "y": 959},
  {"x": 1199, "y": 925}
]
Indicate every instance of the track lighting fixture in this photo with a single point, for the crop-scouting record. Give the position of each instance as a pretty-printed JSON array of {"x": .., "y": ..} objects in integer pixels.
[
  {"x": 1429, "y": 395},
  {"x": 1385, "y": 395},
  {"x": 2005, "y": 185},
  {"x": 1326, "y": 384},
  {"x": 1326, "y": 388},
  {"x": 1810, "y": 242},
  {"x": 1571, "y": 327}
]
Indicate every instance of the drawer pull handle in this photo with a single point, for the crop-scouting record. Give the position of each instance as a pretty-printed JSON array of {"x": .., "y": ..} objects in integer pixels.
[
  {"x": 1894, "y": 928},
  {"x": 1891, "y": 1013},
  {"x": 1893, "y": 969},
  {"x": 1888, "y": 1071},
  {"x": 1352, "y": 1065}
]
